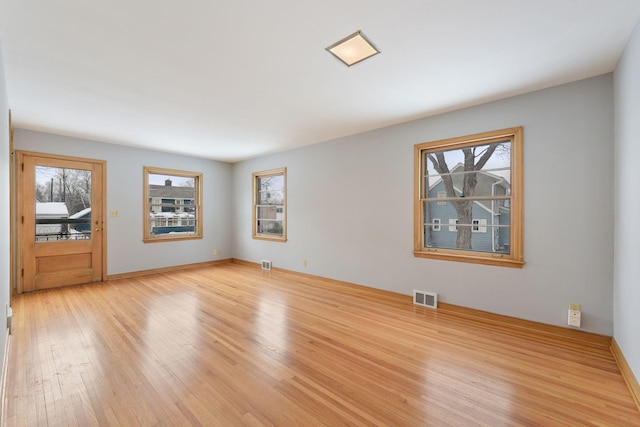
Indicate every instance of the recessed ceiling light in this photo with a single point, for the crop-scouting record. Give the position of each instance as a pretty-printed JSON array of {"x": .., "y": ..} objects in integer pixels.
[{"x": 353, "y": 49}]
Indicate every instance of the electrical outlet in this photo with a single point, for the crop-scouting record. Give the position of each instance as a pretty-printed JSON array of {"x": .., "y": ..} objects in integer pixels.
[
  {"x": 217, "y": 251},
  {"x": 574, "y": 318},
  {"x": 574, "y": 307},
  {"x": 304, "y": 263},
  {"x": 114, "y": 213}
]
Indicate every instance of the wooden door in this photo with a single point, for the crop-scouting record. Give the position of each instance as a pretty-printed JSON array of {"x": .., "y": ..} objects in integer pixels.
[{"x": 61, "y": 230}]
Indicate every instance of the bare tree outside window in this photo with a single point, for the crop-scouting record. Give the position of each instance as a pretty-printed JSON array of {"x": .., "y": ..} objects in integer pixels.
[
  {"x": 62, "y": 195},
  {"x": 474, "y": 160},
  {"x": 69, "y": 186},
  {"x": 474, "y": 183}
]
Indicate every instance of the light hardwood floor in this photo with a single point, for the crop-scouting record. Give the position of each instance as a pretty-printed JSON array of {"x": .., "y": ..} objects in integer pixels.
[{"x": 233, "y": 345}]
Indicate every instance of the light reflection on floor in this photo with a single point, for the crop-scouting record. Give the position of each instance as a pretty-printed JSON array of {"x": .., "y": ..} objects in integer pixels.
[
  {"x": 442, "y": 378},
  {"x": 272, "y": 331},
  {"x": 172, "y": 334}
]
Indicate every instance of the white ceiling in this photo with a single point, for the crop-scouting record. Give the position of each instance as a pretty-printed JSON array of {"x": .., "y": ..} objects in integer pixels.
[{"x": 230, "y": 80}]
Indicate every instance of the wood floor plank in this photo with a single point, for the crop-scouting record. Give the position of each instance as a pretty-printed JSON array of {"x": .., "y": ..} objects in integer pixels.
[{"x": 234, "y": 345}]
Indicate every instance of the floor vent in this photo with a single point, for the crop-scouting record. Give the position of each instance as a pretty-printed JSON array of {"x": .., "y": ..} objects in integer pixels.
[
  {"x": 425, "y": 299},
  {"x": 266, "y": 265}
]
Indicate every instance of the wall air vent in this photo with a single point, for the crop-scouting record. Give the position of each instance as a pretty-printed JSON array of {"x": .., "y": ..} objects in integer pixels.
[
  {"x": 425, "y": 299},
  {"x": 266, "y": 265}
]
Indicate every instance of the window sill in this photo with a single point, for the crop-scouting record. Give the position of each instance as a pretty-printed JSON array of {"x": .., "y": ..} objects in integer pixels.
[
  {"x": 169, "y": 239},
  {"x": 488, "y": 259},
  {"x": 269, "y": 238}
]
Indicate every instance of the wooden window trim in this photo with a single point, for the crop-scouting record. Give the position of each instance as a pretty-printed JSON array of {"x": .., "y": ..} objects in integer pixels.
[
  {"x": 197, "y": 176},
  {"x": 254, "y": 179},
  {"x": 515, "y": 258}
]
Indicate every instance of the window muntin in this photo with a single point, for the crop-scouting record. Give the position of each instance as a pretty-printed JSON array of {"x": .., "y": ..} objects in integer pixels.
[
  {"x": 173, "y": 205},
  {"x": 473, "y": 184},
  {"x": 269, "y": 205}
]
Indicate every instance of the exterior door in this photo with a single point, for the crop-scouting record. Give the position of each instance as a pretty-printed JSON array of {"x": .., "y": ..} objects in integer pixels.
[{"x": 60, "y": 221}]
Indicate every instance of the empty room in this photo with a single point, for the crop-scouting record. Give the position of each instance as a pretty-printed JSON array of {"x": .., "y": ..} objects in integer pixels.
[{"x": 334, "y": 213}]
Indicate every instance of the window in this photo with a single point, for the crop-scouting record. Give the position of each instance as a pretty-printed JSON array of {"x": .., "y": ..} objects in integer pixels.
[
  {"x": 478, "y": 226},
  {"x": 269, "y": 205},
  {"x": 480, "y": 178},
  {"x": 173, "y": 205},
  {"x": 63, "y": 204}
]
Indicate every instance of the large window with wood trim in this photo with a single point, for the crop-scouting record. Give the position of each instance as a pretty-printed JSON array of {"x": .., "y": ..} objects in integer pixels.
[
  {"x": 270, "y": 205},
  {"x": 172, "y": 205},
  {"x": 473, "y": 184}
]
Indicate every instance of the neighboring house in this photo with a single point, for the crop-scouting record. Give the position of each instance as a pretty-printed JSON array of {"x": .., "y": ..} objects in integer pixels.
[
  {"x": 175, "y": 216},
  {"x": 82, "y": 227},
  {"x": 272, "y": 212},
  {"x": 270, "y": 220},
  {"x": 50, "y": 210},
  {"x": 490, "y": 231},
  {"x": 179, "y": 197}
]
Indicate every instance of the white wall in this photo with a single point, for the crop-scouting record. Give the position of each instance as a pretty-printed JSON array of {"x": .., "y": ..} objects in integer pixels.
[
  {"x": 627, "y": 204},
  {"x": 126, "y": 252},
  {"x": 350, "y": 208},
  {"x": 4, "y": 205}
]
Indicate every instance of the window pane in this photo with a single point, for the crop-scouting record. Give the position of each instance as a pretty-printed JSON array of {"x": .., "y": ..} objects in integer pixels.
[
  {"x": 63, "y": 204},
  {"x": 270, "y": 227},
  {"x": 490, "y": 175},
  {"x": 271, "y": 190},
  {"x": 172, "y": 204},
  {"x": 487, "y": 230}
]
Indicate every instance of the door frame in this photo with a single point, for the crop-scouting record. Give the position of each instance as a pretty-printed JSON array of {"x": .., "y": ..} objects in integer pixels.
[
  {"x": 13, "y": 223},
  {"x": 19, "y": 203}
]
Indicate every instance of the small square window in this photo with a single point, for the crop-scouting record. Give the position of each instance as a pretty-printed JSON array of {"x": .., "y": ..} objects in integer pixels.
[{"x": 479, "y": 226}]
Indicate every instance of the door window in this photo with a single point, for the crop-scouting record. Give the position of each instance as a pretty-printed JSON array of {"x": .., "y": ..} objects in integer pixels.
[{"x": 63, "y": 204}]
